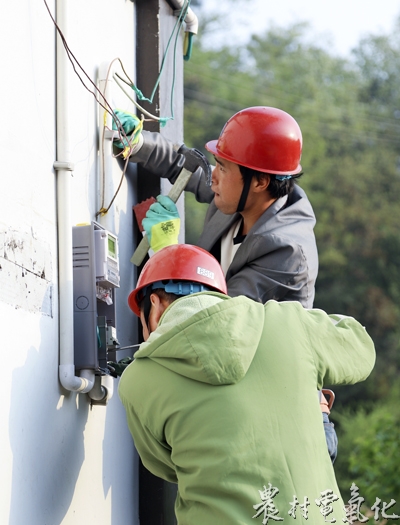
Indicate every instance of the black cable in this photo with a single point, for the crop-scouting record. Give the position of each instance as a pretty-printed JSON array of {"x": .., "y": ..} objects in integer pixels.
[{"x": 70, "y": 54}]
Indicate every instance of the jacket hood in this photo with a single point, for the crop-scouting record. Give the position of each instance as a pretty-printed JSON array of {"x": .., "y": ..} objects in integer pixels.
[
  {"x": 208, "y": 337},
  {"x": 287, "y": 210}
]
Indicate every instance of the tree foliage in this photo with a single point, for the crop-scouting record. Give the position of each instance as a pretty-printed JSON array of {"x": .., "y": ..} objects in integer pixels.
[{"x": 369, "y": 455}]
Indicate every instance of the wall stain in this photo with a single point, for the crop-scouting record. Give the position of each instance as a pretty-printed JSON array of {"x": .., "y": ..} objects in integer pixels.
[{"x": 27, "y": 277}]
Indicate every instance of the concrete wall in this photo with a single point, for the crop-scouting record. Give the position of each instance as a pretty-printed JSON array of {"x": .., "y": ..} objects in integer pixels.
[{"x": 62, "y": 461}]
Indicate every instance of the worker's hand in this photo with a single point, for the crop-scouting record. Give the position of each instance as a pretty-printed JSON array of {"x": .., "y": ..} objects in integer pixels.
[
  {"x": 116, "y": 369},
  {"x": 132, "y": 126},
  {"x": 195, "y": 159},
  {"x": 162, "y": 223}
]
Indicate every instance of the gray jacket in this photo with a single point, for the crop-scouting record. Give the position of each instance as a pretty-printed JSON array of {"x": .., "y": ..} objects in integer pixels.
[{"x": 278, "y": 259}]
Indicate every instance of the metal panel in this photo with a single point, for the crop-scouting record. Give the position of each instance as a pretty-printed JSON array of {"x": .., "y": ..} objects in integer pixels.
[
  {"x": 91, "y": 315},
  {"x": 155, "y": 23},
  {"x": 85, "y": 307}
]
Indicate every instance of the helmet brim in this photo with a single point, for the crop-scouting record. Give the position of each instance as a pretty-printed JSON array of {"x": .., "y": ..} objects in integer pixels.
[
  {"x": 132, "y": 302},
  {"x": 211, "y": 146}
]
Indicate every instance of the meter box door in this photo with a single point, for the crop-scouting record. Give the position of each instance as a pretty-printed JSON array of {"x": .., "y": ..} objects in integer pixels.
[{"x": 96, "y": 275}]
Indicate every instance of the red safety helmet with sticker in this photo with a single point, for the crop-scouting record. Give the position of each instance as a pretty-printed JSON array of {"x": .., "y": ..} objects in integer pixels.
[{"x": 178, "y": 263}]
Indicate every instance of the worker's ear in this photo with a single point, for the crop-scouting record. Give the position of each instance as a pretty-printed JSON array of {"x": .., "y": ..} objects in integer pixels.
[
  {"x": 261, "y": 183},
  {"x": 158, "y": 307}
]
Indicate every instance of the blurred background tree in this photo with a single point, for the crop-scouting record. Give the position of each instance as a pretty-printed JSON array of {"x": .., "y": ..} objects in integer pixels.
[{"x": 349, "y": 114}]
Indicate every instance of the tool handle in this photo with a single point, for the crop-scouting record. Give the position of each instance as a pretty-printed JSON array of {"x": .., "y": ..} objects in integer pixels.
[{"x": 174, "y": 194}]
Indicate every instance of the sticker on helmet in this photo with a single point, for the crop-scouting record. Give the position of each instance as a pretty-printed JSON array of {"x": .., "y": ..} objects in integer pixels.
[{"x": 205, "y": 273}]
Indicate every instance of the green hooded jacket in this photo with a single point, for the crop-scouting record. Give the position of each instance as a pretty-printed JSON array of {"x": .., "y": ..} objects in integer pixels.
[{"x": 222, "y": 399}]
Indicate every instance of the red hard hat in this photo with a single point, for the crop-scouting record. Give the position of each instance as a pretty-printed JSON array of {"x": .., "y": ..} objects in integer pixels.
[
  {"x": 261, "y": 138},
  {"x": 179, "y": 262}
]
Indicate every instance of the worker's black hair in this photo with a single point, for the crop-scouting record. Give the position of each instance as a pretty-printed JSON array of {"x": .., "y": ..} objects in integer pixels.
[
  {"x": 145, "y": 304},
  {"x": 276, "y": 188}
]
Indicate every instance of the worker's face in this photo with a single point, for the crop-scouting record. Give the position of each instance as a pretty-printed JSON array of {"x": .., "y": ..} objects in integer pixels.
[{"x": 227, "y": 184}]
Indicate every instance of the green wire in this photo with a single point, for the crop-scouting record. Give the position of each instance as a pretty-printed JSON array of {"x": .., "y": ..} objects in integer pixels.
[
  {"x": 175, "y": 46},
  {"x": 98, "y": 336},
  {"x": 189, "y": 49},
  {"x": 178, "y": 24}
]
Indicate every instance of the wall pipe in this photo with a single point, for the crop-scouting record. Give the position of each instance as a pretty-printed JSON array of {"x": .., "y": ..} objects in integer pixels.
[
  {"x": 191, "y": 22},
  {"x": 105, "y": 385},
  {"x": 64, "y": 169}
]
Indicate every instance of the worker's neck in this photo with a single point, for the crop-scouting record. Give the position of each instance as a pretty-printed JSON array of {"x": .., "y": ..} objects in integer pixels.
[{"x": 253, "y": 212}]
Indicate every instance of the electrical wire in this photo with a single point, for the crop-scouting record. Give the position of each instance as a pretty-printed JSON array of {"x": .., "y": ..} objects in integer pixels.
[
  {"x": 184, "y": 10},
  {"x": 107, "y": 108},
  {"x": 178, "y": 23},
  {"x": 102, "y": 101},
  {"x": 103, "y": 176},
  {"x": 177, "y": 27},
  {"x": 144, "y": 111},
  {"x": 103, "y": 210}
]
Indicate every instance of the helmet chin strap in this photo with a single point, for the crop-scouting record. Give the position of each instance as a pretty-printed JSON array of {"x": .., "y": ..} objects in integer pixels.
[{"x": 245, "y": 193}]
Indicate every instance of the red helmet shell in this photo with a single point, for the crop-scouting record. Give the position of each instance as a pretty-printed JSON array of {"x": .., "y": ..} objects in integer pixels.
[
  {"x": 181, "y": 262},
  {"x": 263, "y": 139}
]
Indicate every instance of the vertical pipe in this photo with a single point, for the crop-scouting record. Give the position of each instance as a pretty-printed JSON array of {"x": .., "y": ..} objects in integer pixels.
[
  {"x": 64, "y": 169},
  {"x": 106, "y": 87}
]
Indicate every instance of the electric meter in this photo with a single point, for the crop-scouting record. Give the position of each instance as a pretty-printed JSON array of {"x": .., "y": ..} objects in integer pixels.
[{"x": 107, "y": 265}]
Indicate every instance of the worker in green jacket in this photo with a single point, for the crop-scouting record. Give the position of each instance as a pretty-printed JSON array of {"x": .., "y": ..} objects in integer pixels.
[{"x": 221, "y": 397}]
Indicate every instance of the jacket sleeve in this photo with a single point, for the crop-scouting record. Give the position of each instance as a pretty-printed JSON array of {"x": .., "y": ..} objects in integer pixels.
[
  {"x": 155, "y": 455},
  {"x": 158, "y": 155},
  {"x": 343, "y": 351},
  {"x": 273, "y": 270}
]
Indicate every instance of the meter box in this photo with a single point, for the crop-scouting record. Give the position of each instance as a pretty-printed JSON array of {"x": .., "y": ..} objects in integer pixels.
[{"x": 96, "y": 276}]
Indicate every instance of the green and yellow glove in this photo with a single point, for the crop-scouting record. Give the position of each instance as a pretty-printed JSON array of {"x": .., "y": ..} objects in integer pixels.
[
  {"x": 162, "y": 223},
  {"x": 132, "y": 127}
]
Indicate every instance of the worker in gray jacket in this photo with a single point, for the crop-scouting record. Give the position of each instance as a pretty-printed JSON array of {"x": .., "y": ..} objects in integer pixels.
[{"x": 260, "y": 223}]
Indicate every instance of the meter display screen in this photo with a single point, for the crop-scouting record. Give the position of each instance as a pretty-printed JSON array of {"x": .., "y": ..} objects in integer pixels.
[{"x": 112, "y": 247}]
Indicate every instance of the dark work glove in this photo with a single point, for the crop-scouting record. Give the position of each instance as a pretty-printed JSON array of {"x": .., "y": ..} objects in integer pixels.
[
  {"x": 195, "y": 159},
  {"x": 116, "y": 369}
]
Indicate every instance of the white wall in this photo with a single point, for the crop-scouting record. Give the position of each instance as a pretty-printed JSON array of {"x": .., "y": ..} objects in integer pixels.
[{"x": 61, "y": 460}]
